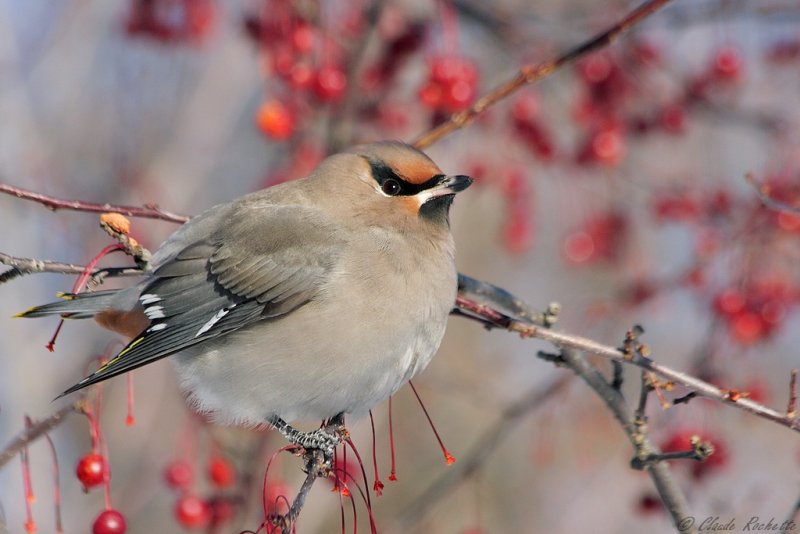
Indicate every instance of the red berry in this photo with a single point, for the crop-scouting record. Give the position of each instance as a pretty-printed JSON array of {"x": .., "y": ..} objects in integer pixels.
[
  {"x": 452, "y": 84},
  {"x": 109, "y": 522},
  {"x": 301, "y": 76},
  {"x": 221, "y": 473},
  {"x": 602, "y": 237},
  {"x": 92, "y": 470},
  {"x": 729, "y": 302},
  {"x": 330, "y": 83},
  {"x": 192, "y": 512},
  {"x": 445, "y": 70},
  {"x": 275, "y": 120},
  {"x": 645, "y": 52},
  {"x": 283, "y": 60},
  {"x": 787, "y": 221},
  {"x": 458, "y": 95},
  {"x": 727, "y": 65},
  {"x": 596, "y": 68},
  {"x": 431, "y": 95},
  {"x": 673, "y": 118},
  {"x": 748, "y": 327},
  {"x": 199, "y": 18},
  {"x": 303, "y": 37},
  {"x": 608, "y": 146},
  {"x": 526, "y": 107},
  {"x": 179, "y": 474},
  {"x": 579, "y": 247},
  {"x": 679, "y": 207}
]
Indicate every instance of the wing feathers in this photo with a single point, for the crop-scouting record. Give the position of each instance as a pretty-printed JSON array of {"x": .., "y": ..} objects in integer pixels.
[{"x": 231, "y": 277}]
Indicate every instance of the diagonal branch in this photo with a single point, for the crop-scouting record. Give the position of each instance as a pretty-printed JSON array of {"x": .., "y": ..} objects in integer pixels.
[
  {"x": 533, "y": 73},
  {"x": 149, "y": 211},
  {"x": 697, "y": 386}
]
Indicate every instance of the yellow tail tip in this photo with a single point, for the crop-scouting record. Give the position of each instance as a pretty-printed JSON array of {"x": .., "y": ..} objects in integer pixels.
[
  {"x": 22, "y": 314},
  {"x": 65, "y": 296}
]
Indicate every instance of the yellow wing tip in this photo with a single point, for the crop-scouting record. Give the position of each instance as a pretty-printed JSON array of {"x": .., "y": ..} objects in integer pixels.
[
  {"x": 120, "y": 355},
  {"x": 65, "y": 296}
]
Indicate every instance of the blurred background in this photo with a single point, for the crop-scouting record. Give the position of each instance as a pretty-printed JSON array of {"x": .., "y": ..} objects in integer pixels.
[{"x": 615, "y": 187}]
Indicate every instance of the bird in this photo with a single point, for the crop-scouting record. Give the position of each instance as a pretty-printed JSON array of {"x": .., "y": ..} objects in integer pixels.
[{"x": 310, "y": 299}]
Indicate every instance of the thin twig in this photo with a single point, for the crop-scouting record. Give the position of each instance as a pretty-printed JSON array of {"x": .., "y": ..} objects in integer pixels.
[
  {"x": 37, "y": 430},
  {"x": 532, "y": 73},
  {"x": 700, "y": 387},
  {"x": 23, "y": 266},
  {"x": 668, "y": 490},
  {"x": 149, "y": 211},
  {"x": 764, "y": 190},
  {"x": 791, "y": 407},
  {"x": 699, "y": 452}
]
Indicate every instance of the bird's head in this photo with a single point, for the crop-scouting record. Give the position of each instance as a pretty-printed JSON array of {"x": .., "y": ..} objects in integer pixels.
[{"x": 395, "y": 182}]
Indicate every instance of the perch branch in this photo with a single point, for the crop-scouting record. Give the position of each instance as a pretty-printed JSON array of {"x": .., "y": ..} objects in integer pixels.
[
  {"x": 23, "y": 266},
  {"x": 699, "y": 387}
]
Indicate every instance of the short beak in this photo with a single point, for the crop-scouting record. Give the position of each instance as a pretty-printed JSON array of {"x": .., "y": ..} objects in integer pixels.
[{"x": 450, "y": 185}]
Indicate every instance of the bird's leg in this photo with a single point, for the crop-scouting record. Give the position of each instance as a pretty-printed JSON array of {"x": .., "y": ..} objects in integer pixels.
[{"x": 321, "y": 439}]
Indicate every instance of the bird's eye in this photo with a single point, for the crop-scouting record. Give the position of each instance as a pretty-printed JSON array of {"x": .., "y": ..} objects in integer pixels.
[{"x": 391, "y": 187}]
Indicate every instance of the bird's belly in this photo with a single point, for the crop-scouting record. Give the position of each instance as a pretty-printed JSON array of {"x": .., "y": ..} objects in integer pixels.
[{"x": 311, "y": 364}]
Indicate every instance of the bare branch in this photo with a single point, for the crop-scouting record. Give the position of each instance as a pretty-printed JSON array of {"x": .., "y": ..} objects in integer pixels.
[
  {"x": 150, "y": 211},
  {"x": 23, "y": 266},
  {"x": 533, "y": 73},
  {"x": 668, "y": 490},
  {"x": 700, "y": 387},
  {"x": 37, "y": 430}
]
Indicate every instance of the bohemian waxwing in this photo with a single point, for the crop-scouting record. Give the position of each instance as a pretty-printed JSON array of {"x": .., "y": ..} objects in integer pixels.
[{"x": 306, "y": 300}]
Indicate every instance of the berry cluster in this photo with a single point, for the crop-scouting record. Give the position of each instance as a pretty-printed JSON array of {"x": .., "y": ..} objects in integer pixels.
[
  {"x": 193, "y": 512},
  {"x": 302, "y": 62},
  {"x": 452, "y": 84}
]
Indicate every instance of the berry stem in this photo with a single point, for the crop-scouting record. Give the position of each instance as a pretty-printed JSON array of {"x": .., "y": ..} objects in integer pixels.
[
  {"x": 377, "y": 485},
  {"x": 393, "y": 471},
  {"x": 447, "y": 456}
]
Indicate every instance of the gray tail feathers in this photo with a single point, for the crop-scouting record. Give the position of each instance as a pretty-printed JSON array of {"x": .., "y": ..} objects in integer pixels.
[{"x": 75, "y": 305}]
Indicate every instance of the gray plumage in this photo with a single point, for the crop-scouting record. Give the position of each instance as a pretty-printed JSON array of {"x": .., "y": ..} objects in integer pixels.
[{"x": 305, "y": 300}]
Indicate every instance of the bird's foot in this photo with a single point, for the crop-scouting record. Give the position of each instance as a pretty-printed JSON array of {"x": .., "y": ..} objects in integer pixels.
[{"x": 324, "y": 439}]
